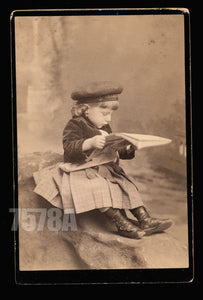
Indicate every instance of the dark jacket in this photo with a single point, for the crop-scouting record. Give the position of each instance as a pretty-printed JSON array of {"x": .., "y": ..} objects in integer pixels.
[{"x": 77, "y": 130}]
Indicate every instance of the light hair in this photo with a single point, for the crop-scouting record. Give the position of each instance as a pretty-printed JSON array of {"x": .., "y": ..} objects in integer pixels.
[{"x": 79, "y": 109}]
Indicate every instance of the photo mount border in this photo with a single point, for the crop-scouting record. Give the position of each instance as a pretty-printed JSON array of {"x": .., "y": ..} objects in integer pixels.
[{"x": 104, "y": 276}]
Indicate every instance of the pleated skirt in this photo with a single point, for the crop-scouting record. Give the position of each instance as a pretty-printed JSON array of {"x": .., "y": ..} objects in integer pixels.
[{"x": 93, "y": 188}]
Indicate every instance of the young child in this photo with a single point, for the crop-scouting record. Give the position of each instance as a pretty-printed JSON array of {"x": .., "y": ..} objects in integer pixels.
[{"x": 102, "y": 184}]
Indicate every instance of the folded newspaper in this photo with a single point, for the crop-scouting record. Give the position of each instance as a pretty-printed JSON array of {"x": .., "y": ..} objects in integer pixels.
[
  {"x": 114, "y": 142},
  {"x": 138, "y": 140}
]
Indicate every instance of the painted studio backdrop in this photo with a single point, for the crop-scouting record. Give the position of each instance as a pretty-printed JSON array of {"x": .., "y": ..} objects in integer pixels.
[{"x": 145, "y": 53}]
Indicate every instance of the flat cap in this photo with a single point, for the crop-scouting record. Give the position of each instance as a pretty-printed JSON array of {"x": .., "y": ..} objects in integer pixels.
[{"x": 96, "y": 91}]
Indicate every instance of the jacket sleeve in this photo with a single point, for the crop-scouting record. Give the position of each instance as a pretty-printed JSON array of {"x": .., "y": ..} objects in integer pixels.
[
  {"x": 73, "y": 138},
  {"x": 125, "y": 153}
]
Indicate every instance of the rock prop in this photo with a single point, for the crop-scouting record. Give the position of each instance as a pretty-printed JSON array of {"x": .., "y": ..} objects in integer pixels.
[{"x": 93, "y": 244}]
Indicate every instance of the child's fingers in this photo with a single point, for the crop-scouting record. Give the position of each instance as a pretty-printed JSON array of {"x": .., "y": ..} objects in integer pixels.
[
  {"x": 101, "y": 143},
  {"x": 104, "y": 133},
  {"x": 103, "y": 139}
]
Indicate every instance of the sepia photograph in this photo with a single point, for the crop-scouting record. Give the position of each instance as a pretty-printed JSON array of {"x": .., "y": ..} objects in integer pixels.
[{"x": 102, "y": 141}]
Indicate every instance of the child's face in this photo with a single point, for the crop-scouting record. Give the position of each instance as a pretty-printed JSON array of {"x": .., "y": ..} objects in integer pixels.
[{"x": 99, "y": 116}]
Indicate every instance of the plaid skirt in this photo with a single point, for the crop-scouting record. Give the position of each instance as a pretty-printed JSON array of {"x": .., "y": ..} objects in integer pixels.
[{"x": 93, "y": 188}]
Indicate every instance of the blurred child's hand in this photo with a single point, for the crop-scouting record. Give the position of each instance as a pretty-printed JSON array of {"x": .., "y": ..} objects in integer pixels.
[
  {"x": 98, "y": 141},
  {"x": 104, "y": 132}
]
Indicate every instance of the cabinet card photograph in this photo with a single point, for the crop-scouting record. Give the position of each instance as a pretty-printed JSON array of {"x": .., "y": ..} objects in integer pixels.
[{"x": 101, "y": 103}]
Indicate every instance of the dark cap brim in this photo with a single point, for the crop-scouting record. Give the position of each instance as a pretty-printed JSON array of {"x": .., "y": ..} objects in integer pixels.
[{"x": 96, "y": 90}]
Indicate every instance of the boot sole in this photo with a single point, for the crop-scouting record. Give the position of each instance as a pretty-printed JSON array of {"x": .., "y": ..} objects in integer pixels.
[
  {"x": 162, "y": 227},
  {"x": 132, "y": 235}
]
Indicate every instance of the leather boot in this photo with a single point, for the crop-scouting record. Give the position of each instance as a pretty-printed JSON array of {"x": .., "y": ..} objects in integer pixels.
[
  {"x": 124, "y": 226},
  {"x": 148, "y": 224}
]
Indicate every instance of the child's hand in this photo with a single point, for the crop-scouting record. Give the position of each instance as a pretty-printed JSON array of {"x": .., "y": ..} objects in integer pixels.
[{"x": 98, "y": 141}]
